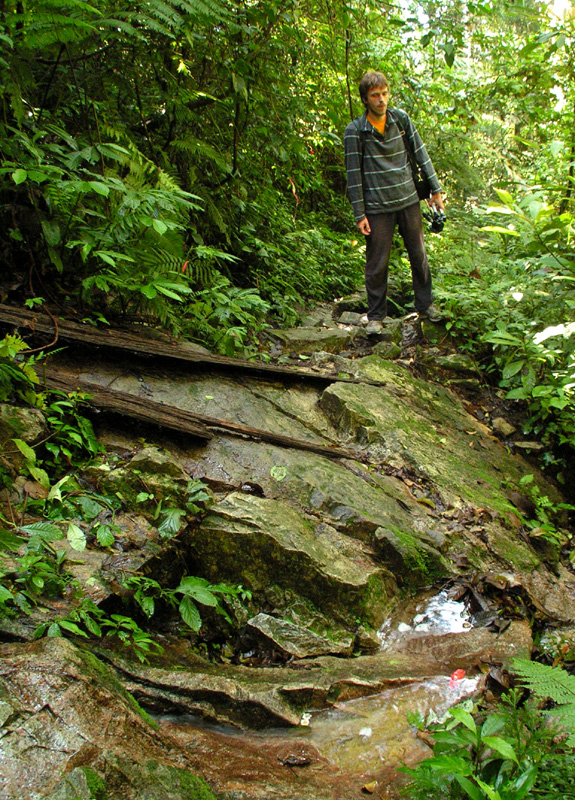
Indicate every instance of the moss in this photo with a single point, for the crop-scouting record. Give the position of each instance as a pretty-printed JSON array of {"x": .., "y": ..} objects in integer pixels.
[
  {"x": 95, "y": 783},
  {"x": 181, "y": 783},
  {"x": 105, "y": 675},
  {"x": 419, "y": 558}
]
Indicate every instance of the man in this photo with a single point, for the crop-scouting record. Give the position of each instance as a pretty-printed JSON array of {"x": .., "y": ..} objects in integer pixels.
[{"x": 382, "y": 194}]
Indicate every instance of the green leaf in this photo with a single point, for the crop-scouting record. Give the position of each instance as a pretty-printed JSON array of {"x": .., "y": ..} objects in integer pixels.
[
  {"x": 105, "y": 536},
  {"x": 45, "y": 530},
  {"x": 19, "y": 176},
  {"x": 501, "y": 746},
  {"x": 76, "y": 537},
  {"x": 465, "y": 717},
  {"x": 472, "y": 790},
  {"x": 491, "y": 793},
  {"x": 278, "y": 473},
  {"x": 505, "y": 197},
  {"x": 41, "y": 476},
  {"x": 512, "y": 369},
  {"x": 100, "y": 188},
  {"x": 190, "y": 614},
  {"x": 172, "y": 522},
  {"x": 523, "y": 784},
  {"x": 159, "y": 226},
  {"x": 54, "y": 630},
  {"x": 52, "y": 232},
  {"x": 499, "y": 229},
  {"x": 451, "y": 765},
  {"x": 91, "y": 624},
  {"x": 142, "y": 497},
  {"x": 56, "y": 490},
  {"x": 146, "y": 603},
  {"x": 9, "y": 540},
  {"x": 492, "y": 724},
  {"x": 26, "y": 450},
  {"x": 71, "y": 627},
  {"x": 520, "y": 393},
  {"x": 5, "y": 595},
  {"x": 90, "y": 507},
  {"x": 198, "y": 588}
]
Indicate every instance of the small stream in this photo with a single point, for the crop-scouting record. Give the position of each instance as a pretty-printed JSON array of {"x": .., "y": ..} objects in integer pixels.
[{"x": 358, "y": 739}]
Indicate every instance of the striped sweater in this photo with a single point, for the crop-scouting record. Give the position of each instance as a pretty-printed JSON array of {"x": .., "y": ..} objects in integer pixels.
[{"x": 380, "y": 180}]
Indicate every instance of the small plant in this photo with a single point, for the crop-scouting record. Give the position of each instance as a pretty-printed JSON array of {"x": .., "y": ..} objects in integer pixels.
[
  {"x": 17, "y": 374},
  {"x": 72, "y": 441},
  {"x": 501, "y": 756},
  {"x": 547, "y": 512},
  {"x": 89, "y": 619},
  {"x": 39, "y": 571},
  {"x": 185, "y": 597}
]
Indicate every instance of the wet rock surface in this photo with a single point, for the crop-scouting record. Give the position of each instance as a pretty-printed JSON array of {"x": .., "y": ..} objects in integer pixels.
[{"x": 348, "y": 625}]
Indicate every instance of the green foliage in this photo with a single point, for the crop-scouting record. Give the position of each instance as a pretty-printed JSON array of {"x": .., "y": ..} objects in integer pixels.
[
  {"x": 17, "y": 375},
  {"x": 88, "y": 620},
  {"x": 548, "y": 515},
  {"x": 509, "y": 301},
  {"x": 553, "y": 683},
  {"x": 495, "y": 757},
  {"x": 185, "y": 597},
  {"x": 38, "y": 571}
]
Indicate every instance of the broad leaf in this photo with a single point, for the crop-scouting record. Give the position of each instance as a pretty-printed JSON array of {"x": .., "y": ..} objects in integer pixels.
[
  {"x": 501, "y": 746},
  {"x": 190, "y": 614},
  {"x": 76, "y": 537}
]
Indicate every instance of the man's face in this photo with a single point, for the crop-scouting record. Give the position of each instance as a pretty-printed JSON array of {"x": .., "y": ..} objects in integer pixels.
[{"x": 377, "y": 100}]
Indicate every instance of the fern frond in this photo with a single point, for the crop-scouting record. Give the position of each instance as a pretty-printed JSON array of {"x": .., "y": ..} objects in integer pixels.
[
  {"x": 545, "y": 681},
  {"x": 197, "y": 147},
  {"x": 555, "y": 683}
]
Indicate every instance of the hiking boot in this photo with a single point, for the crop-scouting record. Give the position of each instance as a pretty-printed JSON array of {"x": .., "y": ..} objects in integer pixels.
[
  {"x": 374, "y": 326},
  {"x": 431, "y": 313}
]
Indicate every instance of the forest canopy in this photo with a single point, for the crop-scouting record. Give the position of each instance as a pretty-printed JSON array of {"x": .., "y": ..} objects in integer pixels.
[{"x": 181, "y": 161}]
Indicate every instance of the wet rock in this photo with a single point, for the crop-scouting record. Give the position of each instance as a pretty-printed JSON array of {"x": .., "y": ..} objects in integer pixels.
[
  {"x": 456, "y": 362},
  {"x": 432, "y": 331},
  {"x": 342, "y": 365},
  {"x": 76, "y": 733},
  {"x": 534, "y": 447},
  {"x": 391, "y": 331},
  {"x": 309, "y": 340},
  {"x": 293, "y": 640},
  {"x": 260, "y": 697},
  {"x": 152, "y": 461},
  {"x": 318, "y": 317},
  {"x": 407, "y": 554},
  {"x": 473, "y": 647},
  {"x": 355, "y": 302},
  {"x": 503, "y": 428},
  {"x": 366, "y": 641},
  {"x": 280, "y": 546},
  {"x": 27, "y": 424},
  {"x": 350, "y": 318},
  {"x": 148, "y": 472},
  {"x": 387, "y": 350},
  {"x": 424, "y": 428}
]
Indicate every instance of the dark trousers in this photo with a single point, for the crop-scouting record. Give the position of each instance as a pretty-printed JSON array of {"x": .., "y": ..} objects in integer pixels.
[{"x": 378, "y": 248}]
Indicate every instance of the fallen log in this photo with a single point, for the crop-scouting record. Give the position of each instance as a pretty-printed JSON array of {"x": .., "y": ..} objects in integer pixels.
[
  {"x": 117, "y": 339},
  {"x": 130, "y": 406},
  {"x": 177, "y": 419}
]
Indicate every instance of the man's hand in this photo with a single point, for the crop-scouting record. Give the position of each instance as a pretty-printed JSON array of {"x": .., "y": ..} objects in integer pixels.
[
  {"x": 363, "y": 226},
  {"x": 437, "y": 201}
]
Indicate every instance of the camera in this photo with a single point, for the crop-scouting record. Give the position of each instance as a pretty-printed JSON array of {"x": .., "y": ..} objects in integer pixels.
[{"x": 437, "y": 220}]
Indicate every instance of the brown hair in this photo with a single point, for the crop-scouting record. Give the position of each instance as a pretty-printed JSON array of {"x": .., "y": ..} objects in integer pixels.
[{"x": 369, "y": 81}]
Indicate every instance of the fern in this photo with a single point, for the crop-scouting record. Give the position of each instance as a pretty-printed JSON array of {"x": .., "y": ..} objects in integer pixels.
[{"x": 552, "y": 682}]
